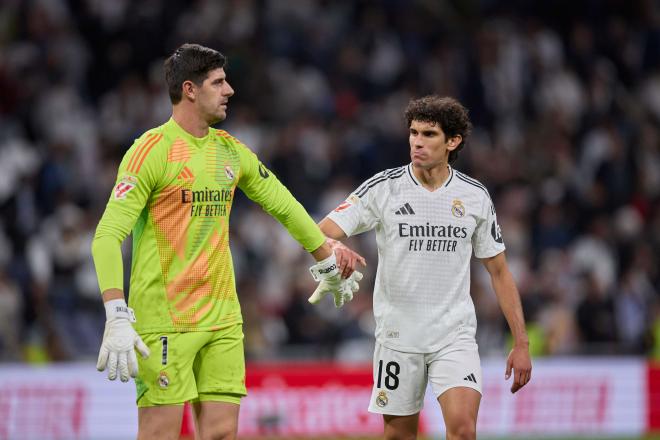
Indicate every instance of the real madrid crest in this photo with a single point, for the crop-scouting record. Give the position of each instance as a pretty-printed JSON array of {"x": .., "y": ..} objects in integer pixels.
[
  {"x": 381, "y": 399},
  {"x": 229, "y": 173},
  {"x": 163, "y": 380},
  {"x": 457, "y": 208}
]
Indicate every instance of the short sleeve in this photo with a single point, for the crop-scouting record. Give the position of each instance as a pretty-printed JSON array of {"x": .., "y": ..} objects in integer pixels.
[
  {"x": 487, "y": 240},
  {"x": 358, "y": 213}
]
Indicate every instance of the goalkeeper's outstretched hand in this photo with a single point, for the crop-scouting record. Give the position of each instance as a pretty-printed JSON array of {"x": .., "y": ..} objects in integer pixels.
[
  {"x": 119, "y": 340},
  {"x": 327, "y": 274}
]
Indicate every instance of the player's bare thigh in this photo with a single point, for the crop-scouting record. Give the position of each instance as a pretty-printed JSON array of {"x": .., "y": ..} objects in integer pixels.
[
  {"x": 216, "y": 420},
  {"x": 460, "y": 407},
  {"x": 401, "y": 427},
  {"x": 161, "y": 422}
]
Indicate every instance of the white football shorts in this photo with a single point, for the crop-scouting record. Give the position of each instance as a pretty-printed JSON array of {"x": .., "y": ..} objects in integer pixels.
[{"x": 400, "y": 378}]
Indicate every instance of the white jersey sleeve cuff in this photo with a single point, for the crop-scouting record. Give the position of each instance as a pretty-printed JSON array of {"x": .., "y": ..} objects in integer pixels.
[
  {"x": 491, "y": 252},
  {"x": 343, "y": 223}
]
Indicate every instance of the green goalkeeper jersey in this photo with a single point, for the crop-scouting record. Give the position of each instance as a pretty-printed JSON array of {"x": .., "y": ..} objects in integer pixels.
[{"x": 175, "y": 193}]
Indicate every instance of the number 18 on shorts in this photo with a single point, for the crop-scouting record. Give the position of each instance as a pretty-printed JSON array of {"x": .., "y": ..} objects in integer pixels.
[{"x": 400, "y": 378}]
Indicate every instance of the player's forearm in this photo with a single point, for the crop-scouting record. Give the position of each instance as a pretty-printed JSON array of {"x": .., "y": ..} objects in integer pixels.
[
  {"x": 331, "y": 229},
  {"x": 111, "y": 294},
  {"x": 332, "y": 232},
  {"x": 303, "y": 229},
  {"x": 277, "y": 201},
  {"x": 106, "y": 252},
  {"x": 509, "y": 300},
  {"x": 323, "y": 252}
]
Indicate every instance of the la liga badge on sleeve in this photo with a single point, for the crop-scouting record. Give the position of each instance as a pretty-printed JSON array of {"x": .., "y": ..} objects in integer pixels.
[{"x": 124, "y": 186}]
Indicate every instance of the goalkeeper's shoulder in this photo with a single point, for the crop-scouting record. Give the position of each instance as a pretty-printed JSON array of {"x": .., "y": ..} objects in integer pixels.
[
  {"x": 152, "y": 144},
  {"x": 251, "y": 165},
  {"x": 230, "y": 141},
  {"x": 159, "y": 132},
  {"x": 233, "y": 145}
]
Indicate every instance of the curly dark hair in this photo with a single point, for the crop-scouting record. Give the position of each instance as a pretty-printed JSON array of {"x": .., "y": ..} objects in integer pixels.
[
  {"x": 190, "y": 62},
  {"x": 447, "y": 112}
]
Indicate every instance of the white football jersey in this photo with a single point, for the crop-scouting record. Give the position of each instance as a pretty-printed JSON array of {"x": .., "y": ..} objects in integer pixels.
[{"x": 425, "y": 243}]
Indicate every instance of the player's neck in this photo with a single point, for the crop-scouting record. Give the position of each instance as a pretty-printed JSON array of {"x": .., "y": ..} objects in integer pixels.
[
  {"x": 190, "y": 121},
  {"x": 434, "y": 177}
]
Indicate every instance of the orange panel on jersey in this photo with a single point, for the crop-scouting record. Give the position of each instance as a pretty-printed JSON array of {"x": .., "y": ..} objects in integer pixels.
[
  {"x": 179, "y": 151},
  {"x": 219, "y": 264},
  {"x": 199, "y": 314},
  {"x": 171, "y": 220},
  {"x": 190, "y": 297},
  {"x": 190, "y": 278}
]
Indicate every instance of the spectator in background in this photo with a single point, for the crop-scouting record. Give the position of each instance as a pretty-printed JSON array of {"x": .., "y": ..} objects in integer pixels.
[
  {"x": 595, "y": 317},
  {"x": 10, "y": 314}
]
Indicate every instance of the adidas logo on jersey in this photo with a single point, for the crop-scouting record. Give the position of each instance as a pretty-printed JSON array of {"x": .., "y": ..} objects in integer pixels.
[
  {"x": 186, "y": 175},
  {"x": 405, "y": 210},
  {"x": 470, "y": 378}
]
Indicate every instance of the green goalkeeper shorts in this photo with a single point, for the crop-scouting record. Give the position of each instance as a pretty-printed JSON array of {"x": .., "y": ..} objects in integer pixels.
[{"x": 192, "y": 366}]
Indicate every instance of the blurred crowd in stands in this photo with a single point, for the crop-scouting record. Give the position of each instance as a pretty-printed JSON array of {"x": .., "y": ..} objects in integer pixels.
[{"x": 564, "y": 96}]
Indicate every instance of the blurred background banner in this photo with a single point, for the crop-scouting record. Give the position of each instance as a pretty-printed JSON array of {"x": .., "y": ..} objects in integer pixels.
[
  {"x": 568, "y": 397},
  {"x": 565, "y": 100}
]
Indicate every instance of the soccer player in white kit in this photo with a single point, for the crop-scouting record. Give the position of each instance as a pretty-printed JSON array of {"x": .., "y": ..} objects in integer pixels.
[{"x": 429, "y": 219}]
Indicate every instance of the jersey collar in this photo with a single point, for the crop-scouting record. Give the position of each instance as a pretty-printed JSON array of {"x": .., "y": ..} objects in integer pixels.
[
  {"x": 414, "y": 180},
  {"x": 189, "y": 138}
]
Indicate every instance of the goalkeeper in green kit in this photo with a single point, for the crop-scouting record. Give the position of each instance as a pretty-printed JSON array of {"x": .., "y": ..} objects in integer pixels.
[{"x": 174, "y": 191}]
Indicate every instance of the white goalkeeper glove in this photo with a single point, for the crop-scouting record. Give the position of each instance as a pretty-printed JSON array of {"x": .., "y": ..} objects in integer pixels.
[
  {"x": 327, "y": 274},
  {"x": 119, "y": 339}
]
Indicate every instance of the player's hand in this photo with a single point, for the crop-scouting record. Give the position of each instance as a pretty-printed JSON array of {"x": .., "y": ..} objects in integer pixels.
[
  {"x": 119, "y": 340},
  {"x": 521, "y": 364},
  {"x": 347, "y": 258},
  {"x": 326, "y": 273}
]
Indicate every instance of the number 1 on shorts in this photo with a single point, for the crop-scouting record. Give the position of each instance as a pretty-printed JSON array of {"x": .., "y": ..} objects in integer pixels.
[{"x": 164, "y": 357}]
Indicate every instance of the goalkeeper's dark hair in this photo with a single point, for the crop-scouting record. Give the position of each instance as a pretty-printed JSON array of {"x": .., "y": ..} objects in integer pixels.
[
  {"x": 449, "y": 114},
  {"x": 190, "y": 62}
]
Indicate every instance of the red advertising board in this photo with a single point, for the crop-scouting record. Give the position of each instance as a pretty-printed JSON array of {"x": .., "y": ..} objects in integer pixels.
[{"x": 653, "y": 396}]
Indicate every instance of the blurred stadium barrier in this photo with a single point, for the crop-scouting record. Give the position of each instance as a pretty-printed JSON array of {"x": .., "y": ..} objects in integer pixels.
[{"x": 572, "y": 396}]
